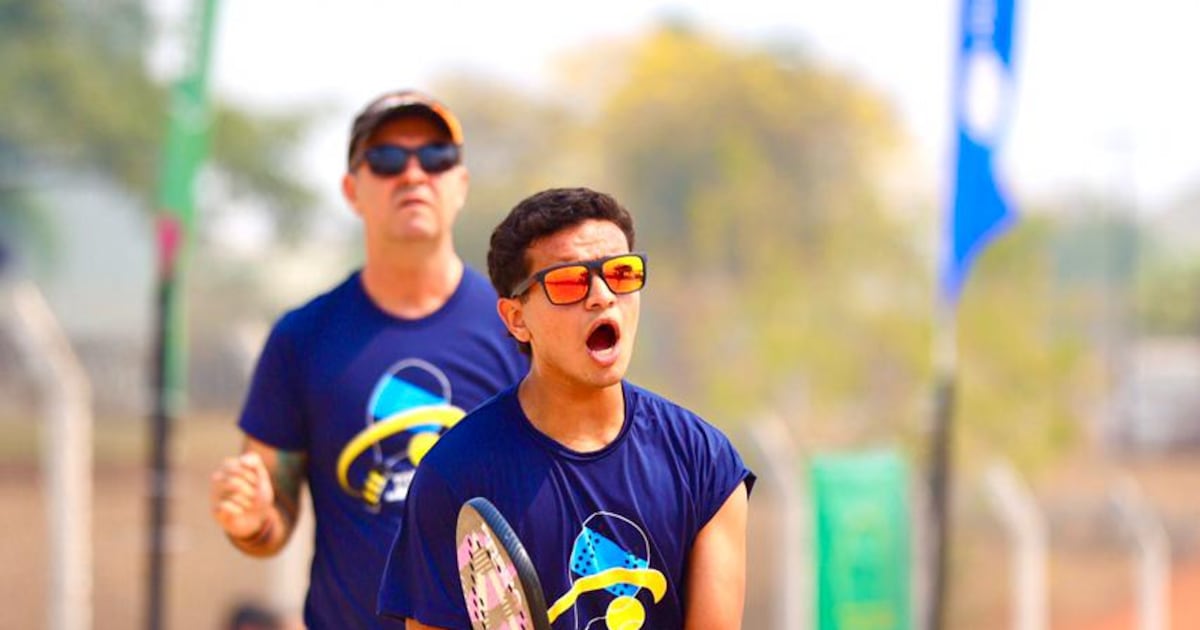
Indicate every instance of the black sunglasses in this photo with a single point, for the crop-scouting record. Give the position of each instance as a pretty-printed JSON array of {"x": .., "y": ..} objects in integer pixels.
[{"x": 386, "y": 160}]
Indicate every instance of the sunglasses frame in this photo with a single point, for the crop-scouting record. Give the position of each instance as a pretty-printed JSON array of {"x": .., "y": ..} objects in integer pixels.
[
  {"x": 422, "y": 154},
  {"x": 594, "y": 268}
]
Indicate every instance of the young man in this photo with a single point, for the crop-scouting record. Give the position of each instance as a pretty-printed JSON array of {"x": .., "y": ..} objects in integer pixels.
[
  {"x": 353, "y": 387},
  {"x": 592, "y": 471}
]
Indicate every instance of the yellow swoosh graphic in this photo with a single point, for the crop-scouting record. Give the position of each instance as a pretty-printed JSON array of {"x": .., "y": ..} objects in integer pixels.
[
  {"x": 652, "y": 579},
  {"x": 445, "y": 415}
]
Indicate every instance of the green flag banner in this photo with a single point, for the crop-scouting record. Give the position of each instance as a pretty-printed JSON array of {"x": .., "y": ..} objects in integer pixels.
[
  {"x": 860, "y": 505},
  {"x": 188, "y": 121},
  {"x": 184, "y": 151}
]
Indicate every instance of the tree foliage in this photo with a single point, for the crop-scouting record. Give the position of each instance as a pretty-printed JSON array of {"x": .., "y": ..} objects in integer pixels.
[
  {"x": 781, "y": 276},
  {"x": 515, "y": 145},
  {"x": 1168, "y": 273},
  {"x": 1029, "y": 373},
  {"x": 786, "y": 276},
  {"x": 1168, "y": 296},
  {"x": 77, "y": 92}
]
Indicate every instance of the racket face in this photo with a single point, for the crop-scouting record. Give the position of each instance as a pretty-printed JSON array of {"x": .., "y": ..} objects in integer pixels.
[{"x": 499, "y": 583}]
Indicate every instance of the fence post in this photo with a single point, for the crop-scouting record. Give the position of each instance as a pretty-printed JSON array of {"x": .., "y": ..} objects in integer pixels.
[
  {"x": 1016, "y": 507},
  {"x": 66, "y": 455},
  {"x": 773, "y": 439},
  {"x": 1152, "y": 577}
]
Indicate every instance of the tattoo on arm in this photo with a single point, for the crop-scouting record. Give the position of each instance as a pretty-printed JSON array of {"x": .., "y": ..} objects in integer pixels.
[{"x": 288, "y": 477}]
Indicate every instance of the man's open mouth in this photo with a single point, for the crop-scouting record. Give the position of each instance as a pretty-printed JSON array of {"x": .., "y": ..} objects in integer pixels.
[{"x": 604, "y": 337}]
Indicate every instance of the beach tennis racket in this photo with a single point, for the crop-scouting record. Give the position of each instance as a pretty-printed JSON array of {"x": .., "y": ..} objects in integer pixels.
[{"x": 499, "y": 583}]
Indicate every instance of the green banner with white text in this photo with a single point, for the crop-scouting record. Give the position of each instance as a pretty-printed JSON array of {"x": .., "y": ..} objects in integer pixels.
[{"x": 863, "y": 558}]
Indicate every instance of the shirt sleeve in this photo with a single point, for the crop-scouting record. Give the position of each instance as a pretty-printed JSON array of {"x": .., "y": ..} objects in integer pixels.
[
  {"x": 274, "y": 410},
  {"x": 724, "y": 469},
  {"x": 421, "y": 579}
]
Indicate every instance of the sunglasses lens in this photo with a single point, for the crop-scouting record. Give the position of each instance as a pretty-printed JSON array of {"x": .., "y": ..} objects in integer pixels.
[
  {"x": 386, "y": 160},
  {"x": 625, "y": 274},
  {"x": 437, "y": 158},
  {"x": 566, "y": 285}
]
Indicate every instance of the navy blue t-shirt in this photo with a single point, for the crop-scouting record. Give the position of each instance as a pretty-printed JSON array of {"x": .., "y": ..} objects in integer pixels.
[
  {"x": 639, "y": 503},
  {"x": 365, "y": 394}
]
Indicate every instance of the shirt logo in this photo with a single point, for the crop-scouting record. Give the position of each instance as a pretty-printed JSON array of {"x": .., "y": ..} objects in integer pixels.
[
  {"x": 610, "y": 574},
  {"x": 408, "y": 411}
]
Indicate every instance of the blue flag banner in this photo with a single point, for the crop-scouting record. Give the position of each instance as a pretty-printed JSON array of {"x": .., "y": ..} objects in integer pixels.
[{"x": 983, "y": 85}]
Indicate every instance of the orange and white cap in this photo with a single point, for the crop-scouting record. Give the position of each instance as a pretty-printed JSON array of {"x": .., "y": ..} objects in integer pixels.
[{"x": 395, "y": 104}]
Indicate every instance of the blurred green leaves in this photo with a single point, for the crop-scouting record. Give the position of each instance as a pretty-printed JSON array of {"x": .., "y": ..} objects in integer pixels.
[
  {"x": 784, "y": 280},
  {"x": 1169, "y": 296},
  {"x": 78, "y": 95},
  {"x": 792, "y": 268},
  {"x": 789, "y": 275}
]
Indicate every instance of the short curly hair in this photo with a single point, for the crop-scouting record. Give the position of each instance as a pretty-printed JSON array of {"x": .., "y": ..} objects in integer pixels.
[{"x": 540, "y": 215}]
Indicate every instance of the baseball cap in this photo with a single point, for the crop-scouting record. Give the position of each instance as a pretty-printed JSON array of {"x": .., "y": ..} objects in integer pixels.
[{"x": 393, "y": 104}]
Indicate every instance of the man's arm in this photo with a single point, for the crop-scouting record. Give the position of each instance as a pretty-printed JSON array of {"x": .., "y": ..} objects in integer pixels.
[
  {"x": 255, "y": 497},
  {"x": 716, "y": 590}
]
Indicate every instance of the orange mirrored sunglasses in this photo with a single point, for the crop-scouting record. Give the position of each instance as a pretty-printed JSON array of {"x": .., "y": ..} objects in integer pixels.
[{"x": 568, "y": 283}]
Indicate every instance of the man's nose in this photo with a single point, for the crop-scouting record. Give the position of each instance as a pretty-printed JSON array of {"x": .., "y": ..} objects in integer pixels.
[
  {"x": 412, "y": 169},
  {"x": 598, "y": 291}
]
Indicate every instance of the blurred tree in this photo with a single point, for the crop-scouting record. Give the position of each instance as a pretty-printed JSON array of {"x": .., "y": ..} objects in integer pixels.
[
  {"x": 783, "y": 278},
  {"x": 77, "y": 92},
  {"x": 516, "y": 144},
  {"x": 788, "y": 273},
  {"x": 24, "y": 232},
  {"x": 1030, "y": 357},
  {"x": 1168, "y": 297},
  {"x": 1168, "y": 274}
]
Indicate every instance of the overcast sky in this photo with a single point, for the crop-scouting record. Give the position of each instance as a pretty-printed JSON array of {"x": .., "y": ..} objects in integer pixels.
[{"x": 1104, "y": 94}]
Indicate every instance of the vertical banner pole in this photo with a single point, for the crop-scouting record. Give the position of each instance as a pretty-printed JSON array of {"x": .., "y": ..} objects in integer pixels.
[
  {"x": 941, "y": 464},
  {"x": 184, "y": 153},
  {"x": 979, "y": 210}
]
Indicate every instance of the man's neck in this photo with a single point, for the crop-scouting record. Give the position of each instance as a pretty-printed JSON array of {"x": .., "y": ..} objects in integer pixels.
[
  {"x": 412, "y": 284},
  {"x": 580, "y": 417}
]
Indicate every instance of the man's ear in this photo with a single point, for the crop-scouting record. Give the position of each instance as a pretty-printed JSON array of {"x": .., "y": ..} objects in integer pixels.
[
  {"x": 512, "y": 313},
  {"x": 350, "y": 191},
  {"x": 464, "y": 186}
]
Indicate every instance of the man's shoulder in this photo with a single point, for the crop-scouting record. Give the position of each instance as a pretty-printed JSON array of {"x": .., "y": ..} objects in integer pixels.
[
  {"x": 658, "y": 413},
  {"x": 474, "y": 440},
  {"x": 489, "y": 416},
  {"x": 476, "y": 286},
  {"x": 641, "y": 398},
  {"x": 308, "y": 315}
]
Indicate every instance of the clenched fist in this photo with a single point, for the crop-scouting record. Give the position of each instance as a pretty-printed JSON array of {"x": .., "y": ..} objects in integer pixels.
[{"x": 242, "y": 496}]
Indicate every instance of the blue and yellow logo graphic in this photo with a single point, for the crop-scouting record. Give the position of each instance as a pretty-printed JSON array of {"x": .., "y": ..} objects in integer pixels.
[
  {"x": 408, "y": 411},
  {"x": 600, "y": 565}
]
